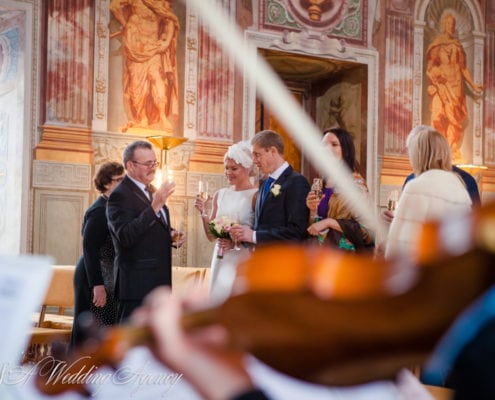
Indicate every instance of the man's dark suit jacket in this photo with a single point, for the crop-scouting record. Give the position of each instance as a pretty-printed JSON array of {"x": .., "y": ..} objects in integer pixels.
[
  {"x": 143, "y": 254},
  {"x": 285, "y": 216}
]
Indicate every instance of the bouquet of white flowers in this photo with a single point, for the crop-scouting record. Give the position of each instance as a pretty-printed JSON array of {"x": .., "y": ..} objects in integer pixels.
[{"x": 220, "y": 228}]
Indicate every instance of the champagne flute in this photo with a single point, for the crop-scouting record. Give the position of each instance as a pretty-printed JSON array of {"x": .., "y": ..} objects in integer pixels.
[
  {"x": 203, "y": 196},
  {"x": 393, "y": 198},
  {"x": 317, "y": 187},
  {"x": 317, "y": 190},
  {"x": 203, "y": 190}
]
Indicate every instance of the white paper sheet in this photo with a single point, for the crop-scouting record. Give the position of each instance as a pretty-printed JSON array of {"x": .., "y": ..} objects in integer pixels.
[{"x": 23, "y": 284}]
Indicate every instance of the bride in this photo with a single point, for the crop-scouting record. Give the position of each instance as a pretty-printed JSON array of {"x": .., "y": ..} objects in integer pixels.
[{"x": 236, "y": 203}]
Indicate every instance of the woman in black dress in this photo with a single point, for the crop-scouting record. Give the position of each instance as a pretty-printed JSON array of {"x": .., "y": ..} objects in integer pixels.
[{"x": 93, "y": 277}]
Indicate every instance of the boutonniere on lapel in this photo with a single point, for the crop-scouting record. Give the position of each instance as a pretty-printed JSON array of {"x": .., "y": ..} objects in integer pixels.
[{"x": 275, "y": 190}]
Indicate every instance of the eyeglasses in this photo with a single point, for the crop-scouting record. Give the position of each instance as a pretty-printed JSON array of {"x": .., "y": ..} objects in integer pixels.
[
  {"x": 118, "y": 179},
  {"x": 149, "y": 164}
]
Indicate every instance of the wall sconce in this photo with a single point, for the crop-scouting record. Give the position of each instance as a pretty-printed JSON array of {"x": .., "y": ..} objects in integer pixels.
[{"x": 165, "y": 143}]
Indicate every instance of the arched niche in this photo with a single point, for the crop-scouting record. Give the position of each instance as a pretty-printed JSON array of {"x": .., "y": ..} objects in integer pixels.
[{"x": 470, "y": 32}]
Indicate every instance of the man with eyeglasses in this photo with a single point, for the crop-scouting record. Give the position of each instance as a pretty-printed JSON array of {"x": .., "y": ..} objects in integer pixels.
[{"x": 139, "y": 223}]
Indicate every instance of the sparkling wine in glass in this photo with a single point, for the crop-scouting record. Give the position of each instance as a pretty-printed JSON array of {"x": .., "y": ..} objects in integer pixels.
[
  {"x": 203, "y": 190},
  {"x": 317, "y": 187},
  {"x": 175, "y": 241},
  {"x": 393, "y": 198}
]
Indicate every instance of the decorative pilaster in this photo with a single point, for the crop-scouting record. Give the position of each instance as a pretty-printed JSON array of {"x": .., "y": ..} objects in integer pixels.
[
  {"x": 490, "y": 100},
  {"x": 101, "y": 51},
  {"x": 66, "y": 131},
  {"x": 65, "y": 144},
  {"x": 191, "y": 74},
  {"x": 478, "y": 104},
  {"x": 398, "y": 82},
  {"x": 215, "y": 92}
]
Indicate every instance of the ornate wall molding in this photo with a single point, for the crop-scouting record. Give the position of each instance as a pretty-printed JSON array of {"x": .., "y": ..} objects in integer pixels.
[
  {"x": 109, "y": 146},
  {"x": 314, "y": 16},
  {"x": 57, "y": 222},
  {"x": 100, "y": 78},
  {"x": 178, "y": 158},
  {"x": 344, "y": 19},
  {"x": 472, "y": 5},
  {"x": 50, "y": 175},
  {"x": 417, "y": 73},
  {"x": 191, "y": 73}
]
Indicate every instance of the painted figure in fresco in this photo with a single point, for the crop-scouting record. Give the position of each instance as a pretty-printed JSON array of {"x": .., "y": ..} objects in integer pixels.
[
  {"x": 447, "y": 72},
  {"x": 149, "y": 37}
]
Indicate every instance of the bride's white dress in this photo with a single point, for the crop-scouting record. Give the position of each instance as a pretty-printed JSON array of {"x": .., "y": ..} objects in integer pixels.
[{"x": 233, "y": 204}]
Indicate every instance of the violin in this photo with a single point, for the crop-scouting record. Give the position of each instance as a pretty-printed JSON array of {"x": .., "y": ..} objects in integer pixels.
[{"x": 336, "y": 318}]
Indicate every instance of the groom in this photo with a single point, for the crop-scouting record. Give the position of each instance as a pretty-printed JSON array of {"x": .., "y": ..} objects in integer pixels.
[{"x": 281, "y": 213}]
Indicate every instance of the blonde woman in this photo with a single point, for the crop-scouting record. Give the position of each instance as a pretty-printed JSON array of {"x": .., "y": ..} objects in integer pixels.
[{"x": 434, "y": 193}]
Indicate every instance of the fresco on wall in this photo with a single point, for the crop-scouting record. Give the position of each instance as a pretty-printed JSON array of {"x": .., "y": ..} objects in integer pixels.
[
  {"x": 11, "y": 128},
  {"x": 447, "y": 73},
  {"x": 399, "y": 61},
  {"x": 68, "y": 67},
  {"x": 9, "y": 60},
  {"x": 451, "y": 64},
  {"x": 343, "y": 105},
  {"x": 276, "y": 15},
  {"x": 148, "y": 37},
  {"x": 215, "y": 91}
]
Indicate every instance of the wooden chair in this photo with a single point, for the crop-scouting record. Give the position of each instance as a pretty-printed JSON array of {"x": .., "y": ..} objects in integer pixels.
[
  {"x": 60, "y": 296},
  {"x": 50, "y": 327}
]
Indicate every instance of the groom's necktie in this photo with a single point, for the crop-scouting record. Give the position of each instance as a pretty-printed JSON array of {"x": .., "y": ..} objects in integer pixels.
[{"x": 265, "y": 188}]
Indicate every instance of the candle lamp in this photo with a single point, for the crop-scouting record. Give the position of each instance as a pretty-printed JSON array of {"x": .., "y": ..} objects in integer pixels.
[{"x": 165, "y": 143}]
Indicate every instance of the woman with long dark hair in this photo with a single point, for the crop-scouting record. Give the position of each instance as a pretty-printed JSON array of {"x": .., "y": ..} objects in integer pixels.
[{"x": 331, "y": 219}]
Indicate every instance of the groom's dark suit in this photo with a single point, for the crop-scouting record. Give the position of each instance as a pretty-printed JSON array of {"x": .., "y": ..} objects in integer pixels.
[
  {"x": 283, "y": 216},
  {"x": 143, "y": 254}
]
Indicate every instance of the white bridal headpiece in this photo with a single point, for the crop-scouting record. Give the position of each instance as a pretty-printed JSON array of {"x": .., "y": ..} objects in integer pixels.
[{"x": 241, "y": 153}]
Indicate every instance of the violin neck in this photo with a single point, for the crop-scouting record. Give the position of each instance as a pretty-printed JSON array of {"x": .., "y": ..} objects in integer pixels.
[{"x": 128, "y": 335}]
